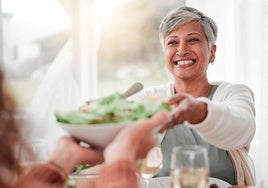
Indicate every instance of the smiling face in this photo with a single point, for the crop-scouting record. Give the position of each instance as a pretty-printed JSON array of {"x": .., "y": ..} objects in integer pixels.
[{"x": 187, "y": 52}]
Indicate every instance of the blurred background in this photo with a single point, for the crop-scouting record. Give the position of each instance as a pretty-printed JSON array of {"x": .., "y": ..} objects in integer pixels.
[{"x": 91, "y": 48}]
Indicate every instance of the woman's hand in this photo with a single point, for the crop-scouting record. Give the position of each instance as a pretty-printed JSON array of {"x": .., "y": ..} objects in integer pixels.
[{"x": 187, "y": 108}]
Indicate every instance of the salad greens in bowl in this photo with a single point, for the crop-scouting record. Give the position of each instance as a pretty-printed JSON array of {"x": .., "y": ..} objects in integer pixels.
[{"x": 97, "y": 122}]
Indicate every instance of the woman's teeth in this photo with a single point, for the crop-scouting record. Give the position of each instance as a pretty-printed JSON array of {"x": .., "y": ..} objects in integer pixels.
[{"x": 187, "y": 62}]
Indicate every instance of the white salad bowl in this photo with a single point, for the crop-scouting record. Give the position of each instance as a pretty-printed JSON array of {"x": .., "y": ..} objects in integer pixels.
[{"x": 96, "y": 135}]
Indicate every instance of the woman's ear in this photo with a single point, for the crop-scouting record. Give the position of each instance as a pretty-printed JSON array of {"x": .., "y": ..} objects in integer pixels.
[{"x": 212, "y": 53}]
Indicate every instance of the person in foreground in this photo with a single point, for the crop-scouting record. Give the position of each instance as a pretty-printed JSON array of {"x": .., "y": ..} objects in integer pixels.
[
  {"x": 217, "y": 115},
  {"x": 119, "y": 159}
]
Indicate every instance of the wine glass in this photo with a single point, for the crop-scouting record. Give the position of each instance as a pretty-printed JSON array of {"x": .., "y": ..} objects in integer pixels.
[
  {"x": 189, "y": 167},
  {"x": 152, "y": 163},
  {"x": 33, "y": 152}
]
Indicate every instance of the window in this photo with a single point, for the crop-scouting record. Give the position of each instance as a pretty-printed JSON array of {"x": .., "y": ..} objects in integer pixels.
[
  {"x": 125, "y": 37},
  {"x": 33, "y": 32},
  {"x": 129, "y": 48}
]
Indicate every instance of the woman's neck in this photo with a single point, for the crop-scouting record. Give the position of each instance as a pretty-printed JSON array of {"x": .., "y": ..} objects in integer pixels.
[{"x": 196, "y": 89}]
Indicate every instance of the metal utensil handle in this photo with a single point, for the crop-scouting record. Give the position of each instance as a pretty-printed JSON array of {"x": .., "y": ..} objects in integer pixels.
[{"x": 136, "y": 87}]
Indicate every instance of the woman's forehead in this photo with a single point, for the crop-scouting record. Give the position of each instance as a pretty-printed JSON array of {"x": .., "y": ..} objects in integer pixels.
[{"x": 189, "y": 28}]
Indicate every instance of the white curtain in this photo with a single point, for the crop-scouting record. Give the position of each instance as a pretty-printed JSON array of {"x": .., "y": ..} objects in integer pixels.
[
  {"x": 72, "y": 76},
  {"x": 58, "y": 91},
  {"x": 242, "y": 57}
]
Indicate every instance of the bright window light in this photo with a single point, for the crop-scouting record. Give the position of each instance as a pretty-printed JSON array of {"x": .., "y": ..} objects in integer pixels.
[{"x": 106, "y": 7}]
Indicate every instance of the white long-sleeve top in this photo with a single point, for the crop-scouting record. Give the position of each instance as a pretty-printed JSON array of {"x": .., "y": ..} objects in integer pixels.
[{"x": 230, "y": 121}]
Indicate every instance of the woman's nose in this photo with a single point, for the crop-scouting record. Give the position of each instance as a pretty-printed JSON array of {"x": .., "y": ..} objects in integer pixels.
[{"x": 182, "y": 50}]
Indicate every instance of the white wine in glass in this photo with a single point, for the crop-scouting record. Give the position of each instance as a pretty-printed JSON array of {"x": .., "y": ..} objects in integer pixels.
[
  {"x": 189, "y": 178},
  {"x": 189, "y": 167},
  {"x": 151, "y": 165}
]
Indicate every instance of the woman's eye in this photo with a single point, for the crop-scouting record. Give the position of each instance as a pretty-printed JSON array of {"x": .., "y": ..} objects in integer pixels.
[
  {"x": 193, "y": 40},
  {"x": 170, "y": 43}
]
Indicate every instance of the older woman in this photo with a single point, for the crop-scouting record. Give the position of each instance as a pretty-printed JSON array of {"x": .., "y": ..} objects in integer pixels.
[{"x": 220, "y": 115}]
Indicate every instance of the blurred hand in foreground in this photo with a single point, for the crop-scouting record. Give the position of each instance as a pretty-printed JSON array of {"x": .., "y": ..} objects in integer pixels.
[
  {"x": 68, "y": 154},
  {"x": 135, "y": 141}
]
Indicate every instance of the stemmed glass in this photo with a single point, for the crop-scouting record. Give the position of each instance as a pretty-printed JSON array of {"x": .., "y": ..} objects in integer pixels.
[
  {"x": 152, "y": 163},
  {"x": 189, "y": 167}
]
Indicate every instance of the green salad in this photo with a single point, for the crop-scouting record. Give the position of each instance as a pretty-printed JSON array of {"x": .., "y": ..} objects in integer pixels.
[{"x": 114, "y": 108}]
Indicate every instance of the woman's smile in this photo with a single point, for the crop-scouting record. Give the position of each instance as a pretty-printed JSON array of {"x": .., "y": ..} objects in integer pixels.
[{"x": 184, "y": 63}]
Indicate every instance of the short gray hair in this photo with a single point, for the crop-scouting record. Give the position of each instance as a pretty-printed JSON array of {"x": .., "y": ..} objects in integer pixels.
[{"x": 182, "y": 15}]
